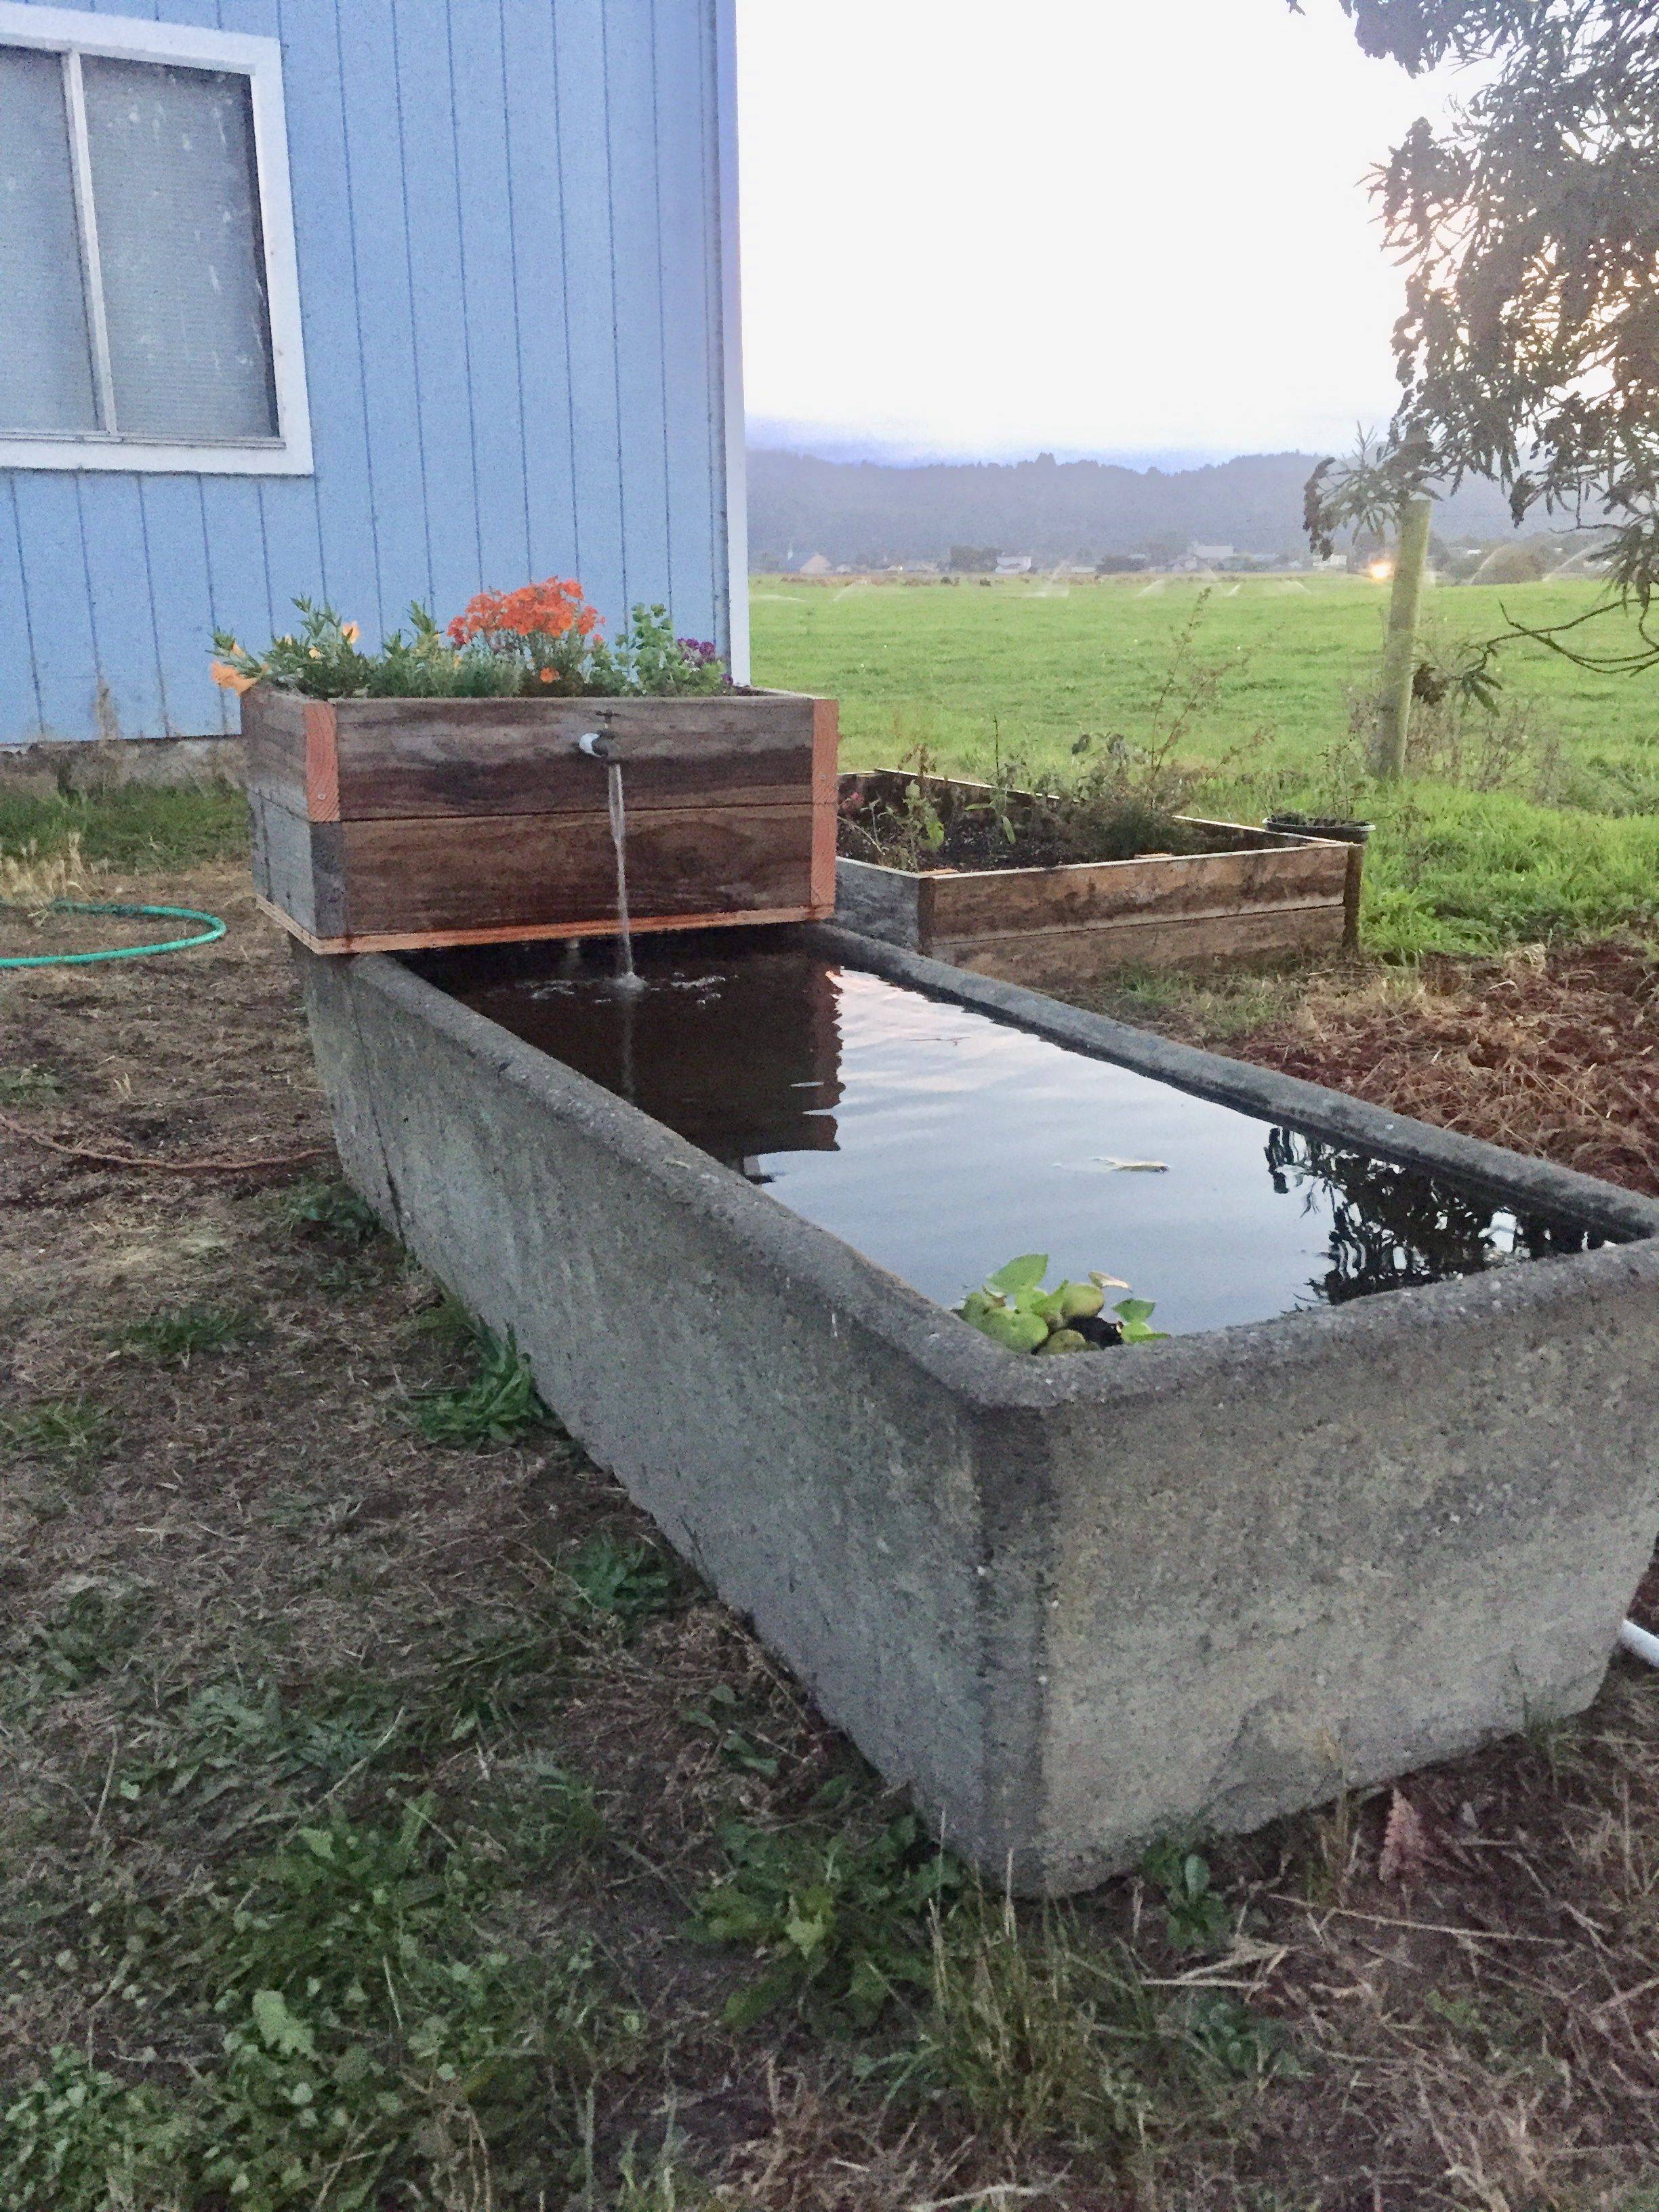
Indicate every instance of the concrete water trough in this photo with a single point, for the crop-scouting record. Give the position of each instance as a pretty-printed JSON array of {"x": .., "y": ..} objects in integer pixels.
[{"x": 1316, "y": 1538}]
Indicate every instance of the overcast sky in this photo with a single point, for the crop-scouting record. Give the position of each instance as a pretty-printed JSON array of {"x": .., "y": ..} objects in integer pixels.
[{"x": 1126, "y": 227}]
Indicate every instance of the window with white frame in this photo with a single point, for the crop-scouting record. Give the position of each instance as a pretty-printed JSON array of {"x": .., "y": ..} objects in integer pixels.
[{"x": 148, "y": 306}]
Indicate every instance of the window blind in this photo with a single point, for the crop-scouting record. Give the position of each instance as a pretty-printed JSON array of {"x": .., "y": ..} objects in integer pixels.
[
  {"x": 46, "y": 382},
  {"x": 176, "y": 193}
]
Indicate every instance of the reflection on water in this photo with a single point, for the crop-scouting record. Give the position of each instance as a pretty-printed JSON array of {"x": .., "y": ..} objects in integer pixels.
[
  {"x": 1391, "y": 1226},
  {"x": 940, "y": 1143}
]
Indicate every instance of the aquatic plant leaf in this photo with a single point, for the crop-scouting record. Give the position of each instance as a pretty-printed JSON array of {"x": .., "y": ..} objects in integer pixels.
[{"x": 1022, "y": 1274}]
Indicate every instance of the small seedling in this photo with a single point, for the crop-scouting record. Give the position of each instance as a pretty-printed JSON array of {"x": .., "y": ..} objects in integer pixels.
[
  {"x": 65, "y": 1431},
  {"x": 87, "y": 1635},
  {"x": 718, "y": 1716},
  {"x": 1013, "y": 1310},
  {"x": 501, "y": 1406},
  {"x": 1195, "y": 1918},
  {"x": 173, "y": 1337},
  {"x": 623, "y": 1583},
  {"x": 22, "y": 1086},
  {"x": 324, "y": 1206}
]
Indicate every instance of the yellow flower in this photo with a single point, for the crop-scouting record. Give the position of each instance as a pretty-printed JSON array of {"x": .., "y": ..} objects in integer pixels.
[
  {"x": 350, "y": 633},
  {"x": 316, "y": 652},
  {"x": 230, "y": 679}
]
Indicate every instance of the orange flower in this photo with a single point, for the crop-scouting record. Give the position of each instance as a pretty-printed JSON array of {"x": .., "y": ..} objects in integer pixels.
[
  {"x": 547, "y": 675},
  {"x": 231, "y": 679},
  {"x": 545, "y": 609},
  {"x": 350, "y": 633}
]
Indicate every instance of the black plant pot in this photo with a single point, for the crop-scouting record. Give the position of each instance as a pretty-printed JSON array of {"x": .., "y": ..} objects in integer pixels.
[{"x": 1320, "y": 825}]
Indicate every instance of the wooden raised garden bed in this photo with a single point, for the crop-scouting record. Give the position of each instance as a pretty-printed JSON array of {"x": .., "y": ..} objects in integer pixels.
[
  {"x": 1248, "y": 891},
  {"x": 380, "y": 825}
]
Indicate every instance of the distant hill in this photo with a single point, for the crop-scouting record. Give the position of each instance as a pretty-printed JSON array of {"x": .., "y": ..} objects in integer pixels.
[{"x": 869, "y": 514}]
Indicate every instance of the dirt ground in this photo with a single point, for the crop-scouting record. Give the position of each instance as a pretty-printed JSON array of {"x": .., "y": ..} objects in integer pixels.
[{"x": 252, "y": 1610}]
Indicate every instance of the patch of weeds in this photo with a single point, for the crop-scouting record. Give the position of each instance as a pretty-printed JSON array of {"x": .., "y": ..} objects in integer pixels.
[
  {"x": 248, "y": 1742},
  {"x": 87, "y": 1635},
  {"x": 25, "y": 1086},
  {"x": 626, "y": 1583},
  {"x": 1239, "y": 2042},
  {"x": 1195, "y": 1917},
  {"x": 499, "y": 1406},
  {"x": 447, "y": 1320},
  {"x": 134, "y": 825},
  {"x": 720, "y": 1716},
  {"x": 663, "y": 2186},
  {"x": 325, "y": 1207},
  {"x": 551, "y": 1819},
  {"x": 173, "y": 1337},
  {"x": 481, "y": 1684},
  {"x": 63, "y": 1431},
  {"x": 1029, "y": 2035},
  {"x": 839, "y": 1926},
  {"x": 78, "y": 2139},
  {"x": 355, "y": 2040},
  {"x": 369, "y": 2038}
]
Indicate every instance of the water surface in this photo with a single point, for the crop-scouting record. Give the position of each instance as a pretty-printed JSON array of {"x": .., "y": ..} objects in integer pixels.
[{"x": 941, "y": 1143}]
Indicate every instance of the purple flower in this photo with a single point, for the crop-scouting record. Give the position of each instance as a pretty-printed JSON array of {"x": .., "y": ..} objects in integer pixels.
[{"x": 698, "y": 651}]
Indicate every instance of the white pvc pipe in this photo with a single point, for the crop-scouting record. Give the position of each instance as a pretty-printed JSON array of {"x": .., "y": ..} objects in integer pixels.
[{"x": 1639, "y": 1644}]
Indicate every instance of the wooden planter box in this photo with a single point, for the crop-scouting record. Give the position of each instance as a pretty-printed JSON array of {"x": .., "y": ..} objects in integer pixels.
[
  {"x": 380, "y": 825},
  {"x": 1257, "y": 891}
]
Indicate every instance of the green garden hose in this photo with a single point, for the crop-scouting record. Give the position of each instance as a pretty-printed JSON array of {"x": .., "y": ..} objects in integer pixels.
[{"x": 214, "y": 929}]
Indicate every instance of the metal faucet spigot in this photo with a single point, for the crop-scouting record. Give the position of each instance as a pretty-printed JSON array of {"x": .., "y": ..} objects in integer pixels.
[{"x": 596, "y": 745}]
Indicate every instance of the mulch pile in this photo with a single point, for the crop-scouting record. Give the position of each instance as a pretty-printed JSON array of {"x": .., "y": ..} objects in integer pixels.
[{"x": 1554, "y": 1054}]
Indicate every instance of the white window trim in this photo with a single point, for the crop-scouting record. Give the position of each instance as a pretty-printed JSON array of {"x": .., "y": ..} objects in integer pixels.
[{"x": 72, "y": 30}]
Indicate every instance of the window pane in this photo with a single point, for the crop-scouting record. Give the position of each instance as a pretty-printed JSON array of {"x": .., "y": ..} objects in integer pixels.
[
  {"x": 177, "y": 196},
  {"x": 46, "y": 363}
]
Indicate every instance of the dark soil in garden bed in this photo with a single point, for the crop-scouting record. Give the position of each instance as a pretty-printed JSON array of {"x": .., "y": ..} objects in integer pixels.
[
  {"x": 938, "y": 829},
  {"x": 245, "y": 1597}
]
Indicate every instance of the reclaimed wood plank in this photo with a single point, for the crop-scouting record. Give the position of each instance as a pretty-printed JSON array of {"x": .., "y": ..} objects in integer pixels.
[
  {"x": 517, "y": 934},
  {"x": 970, "y": 905},
  {"x": 274, "y": 734},
  {"x": 296, "y": 865},
  {"x": 826, "y": 800},
  {"x": 404, "y": 757},
  {"x": 1048, "y": 958},
  {"x": 439, "y": 873}
]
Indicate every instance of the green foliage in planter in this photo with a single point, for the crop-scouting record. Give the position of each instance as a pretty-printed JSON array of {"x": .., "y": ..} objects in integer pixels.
[{"x": 541, "y": 642}]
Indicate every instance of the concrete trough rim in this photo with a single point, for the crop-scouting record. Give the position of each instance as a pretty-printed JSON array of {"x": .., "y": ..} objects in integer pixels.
[{"x": 957, "y": 1356}]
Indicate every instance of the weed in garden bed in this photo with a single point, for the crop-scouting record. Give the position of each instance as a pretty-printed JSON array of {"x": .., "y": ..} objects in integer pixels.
[
  {"x": 1196, "y": 1918},
  {"x": 173, "y": 1337},
  {"x": 352, "y": 2033},
  {"x": 87, "y": 1636},
  {"x": 1027, "y": 2035},
  {"x": 624, "y": 1582},
  {"x": 839, "y": 1925},
  {"x": 323, "y": 1205},
  {"x": 73, "y": 1432},
  {"x": 28, "y": 1086},
  {"x": 499, "y": 1406}
]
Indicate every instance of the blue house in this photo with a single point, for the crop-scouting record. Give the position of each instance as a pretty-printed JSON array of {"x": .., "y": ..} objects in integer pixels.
[{"x": 373, "y": 301}]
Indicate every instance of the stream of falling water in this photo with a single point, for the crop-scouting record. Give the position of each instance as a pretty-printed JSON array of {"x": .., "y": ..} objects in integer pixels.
[{"x": 627, "y": 979}]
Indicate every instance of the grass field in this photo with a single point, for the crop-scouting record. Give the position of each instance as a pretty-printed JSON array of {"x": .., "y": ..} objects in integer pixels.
[{"x": 1541, "y": 824}]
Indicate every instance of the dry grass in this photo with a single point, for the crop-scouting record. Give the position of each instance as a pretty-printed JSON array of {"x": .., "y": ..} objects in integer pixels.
[{"x": 1481, "y": 2032}]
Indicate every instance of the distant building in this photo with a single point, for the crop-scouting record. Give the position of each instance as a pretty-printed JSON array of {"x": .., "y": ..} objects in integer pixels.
[
  {"x": 1209, "y": 556},
  {"x": 815, "y": 564},
  {"x": 1014, "y": 564}
]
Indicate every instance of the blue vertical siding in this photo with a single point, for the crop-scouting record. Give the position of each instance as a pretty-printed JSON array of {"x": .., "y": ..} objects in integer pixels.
[{"x": 506, "y": 227}]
